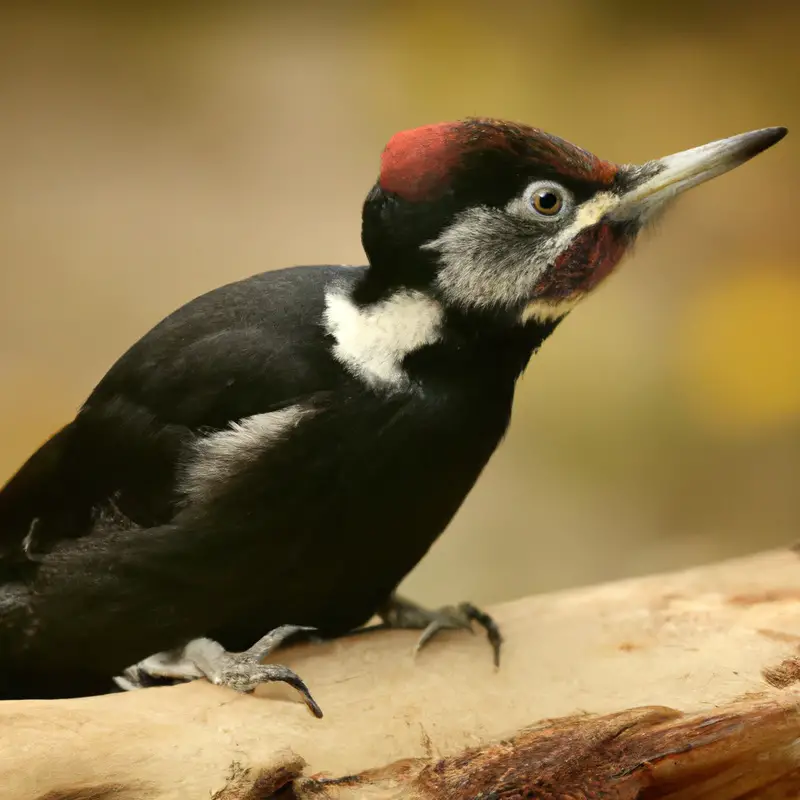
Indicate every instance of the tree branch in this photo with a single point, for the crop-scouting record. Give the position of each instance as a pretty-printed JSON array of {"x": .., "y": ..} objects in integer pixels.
[{"x": 682, "y": 683}]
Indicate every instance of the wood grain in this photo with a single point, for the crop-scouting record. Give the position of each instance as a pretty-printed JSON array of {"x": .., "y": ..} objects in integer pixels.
[{"x": 660, "y": 683}]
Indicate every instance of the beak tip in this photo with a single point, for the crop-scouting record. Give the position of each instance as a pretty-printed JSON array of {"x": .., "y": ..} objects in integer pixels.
[
  {"x": 764, "y": 139},
  {"x": 688, "y": 168}
]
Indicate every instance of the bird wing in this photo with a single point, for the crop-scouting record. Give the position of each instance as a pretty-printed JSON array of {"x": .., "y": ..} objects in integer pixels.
[
  {"x": 232, "y": 352},
  {"x": 247, "y": 348}
]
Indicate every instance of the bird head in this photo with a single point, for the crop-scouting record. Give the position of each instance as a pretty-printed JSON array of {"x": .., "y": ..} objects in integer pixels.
[{"x": 504, "y": 220}]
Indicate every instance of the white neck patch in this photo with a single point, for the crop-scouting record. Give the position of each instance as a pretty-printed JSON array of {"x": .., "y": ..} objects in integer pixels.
[{"x": 373, "y": 341}]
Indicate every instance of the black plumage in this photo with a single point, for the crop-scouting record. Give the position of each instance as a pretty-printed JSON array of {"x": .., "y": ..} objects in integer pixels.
[
  {"x": 318, "y": 531},
  {"x": 240, "y": 468}
]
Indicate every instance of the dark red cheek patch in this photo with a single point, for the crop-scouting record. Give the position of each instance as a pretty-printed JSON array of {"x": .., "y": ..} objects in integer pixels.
[
  {"x": 416, "y": 164},
  {"x": 590, "y": 258}
]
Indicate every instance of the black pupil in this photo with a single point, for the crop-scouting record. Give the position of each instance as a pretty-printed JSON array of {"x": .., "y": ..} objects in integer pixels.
[{"x": 548, "y": 200}]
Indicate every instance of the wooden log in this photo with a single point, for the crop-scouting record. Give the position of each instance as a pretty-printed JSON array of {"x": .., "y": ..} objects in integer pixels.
[{"x": 677, "y": 686}]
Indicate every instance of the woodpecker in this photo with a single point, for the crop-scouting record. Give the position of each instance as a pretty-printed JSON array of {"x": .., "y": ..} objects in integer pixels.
[{"x": 276, "y": 455}]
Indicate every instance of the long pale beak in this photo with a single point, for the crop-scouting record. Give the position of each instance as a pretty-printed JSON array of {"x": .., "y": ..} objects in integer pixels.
[{"x": 674, "y": 174}]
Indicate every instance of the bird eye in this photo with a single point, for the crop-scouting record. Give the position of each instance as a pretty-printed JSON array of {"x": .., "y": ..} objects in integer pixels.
[
  {"x": 547, "y": 202},
  {"x": 548, "y": 199}
]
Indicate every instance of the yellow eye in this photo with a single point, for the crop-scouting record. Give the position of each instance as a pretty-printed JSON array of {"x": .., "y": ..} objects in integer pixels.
[{"x": 547, "y": 201}]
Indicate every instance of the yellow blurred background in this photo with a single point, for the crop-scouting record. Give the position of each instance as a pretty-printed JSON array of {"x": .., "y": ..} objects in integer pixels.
[{"x": 149, "y": 153}]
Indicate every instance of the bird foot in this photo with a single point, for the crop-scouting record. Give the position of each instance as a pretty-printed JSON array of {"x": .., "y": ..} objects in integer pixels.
[
  {"x": 401, "y": 613},
  {"x": 205, "y": 658}
]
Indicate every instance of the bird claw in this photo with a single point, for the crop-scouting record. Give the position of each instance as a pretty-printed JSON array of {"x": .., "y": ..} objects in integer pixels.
[
  {"x": 401, "y": 613},
  {"x": 205, "y": 658},
  {"x": 243, "y": 673}
]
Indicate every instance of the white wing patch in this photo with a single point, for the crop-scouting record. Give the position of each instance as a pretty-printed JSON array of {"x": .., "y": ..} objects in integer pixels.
[
  {"x": 218, "y": 456},
  {"x": 373, "y": 341}
]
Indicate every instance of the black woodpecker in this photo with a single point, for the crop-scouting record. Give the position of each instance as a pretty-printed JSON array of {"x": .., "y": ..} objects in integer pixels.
[{"x": 279, "y": 453}]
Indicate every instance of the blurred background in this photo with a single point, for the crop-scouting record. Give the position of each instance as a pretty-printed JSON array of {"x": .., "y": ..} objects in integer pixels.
[{"x": 151, "y": 152}]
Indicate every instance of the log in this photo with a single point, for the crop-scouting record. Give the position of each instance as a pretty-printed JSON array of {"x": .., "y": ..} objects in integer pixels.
[{"x": 682, "y": 685}]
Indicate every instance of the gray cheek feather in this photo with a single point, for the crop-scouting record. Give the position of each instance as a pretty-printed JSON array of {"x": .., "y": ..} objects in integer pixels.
[
  {"x": 492, "y": 258},
  {"x": 215, "y": 458}
]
